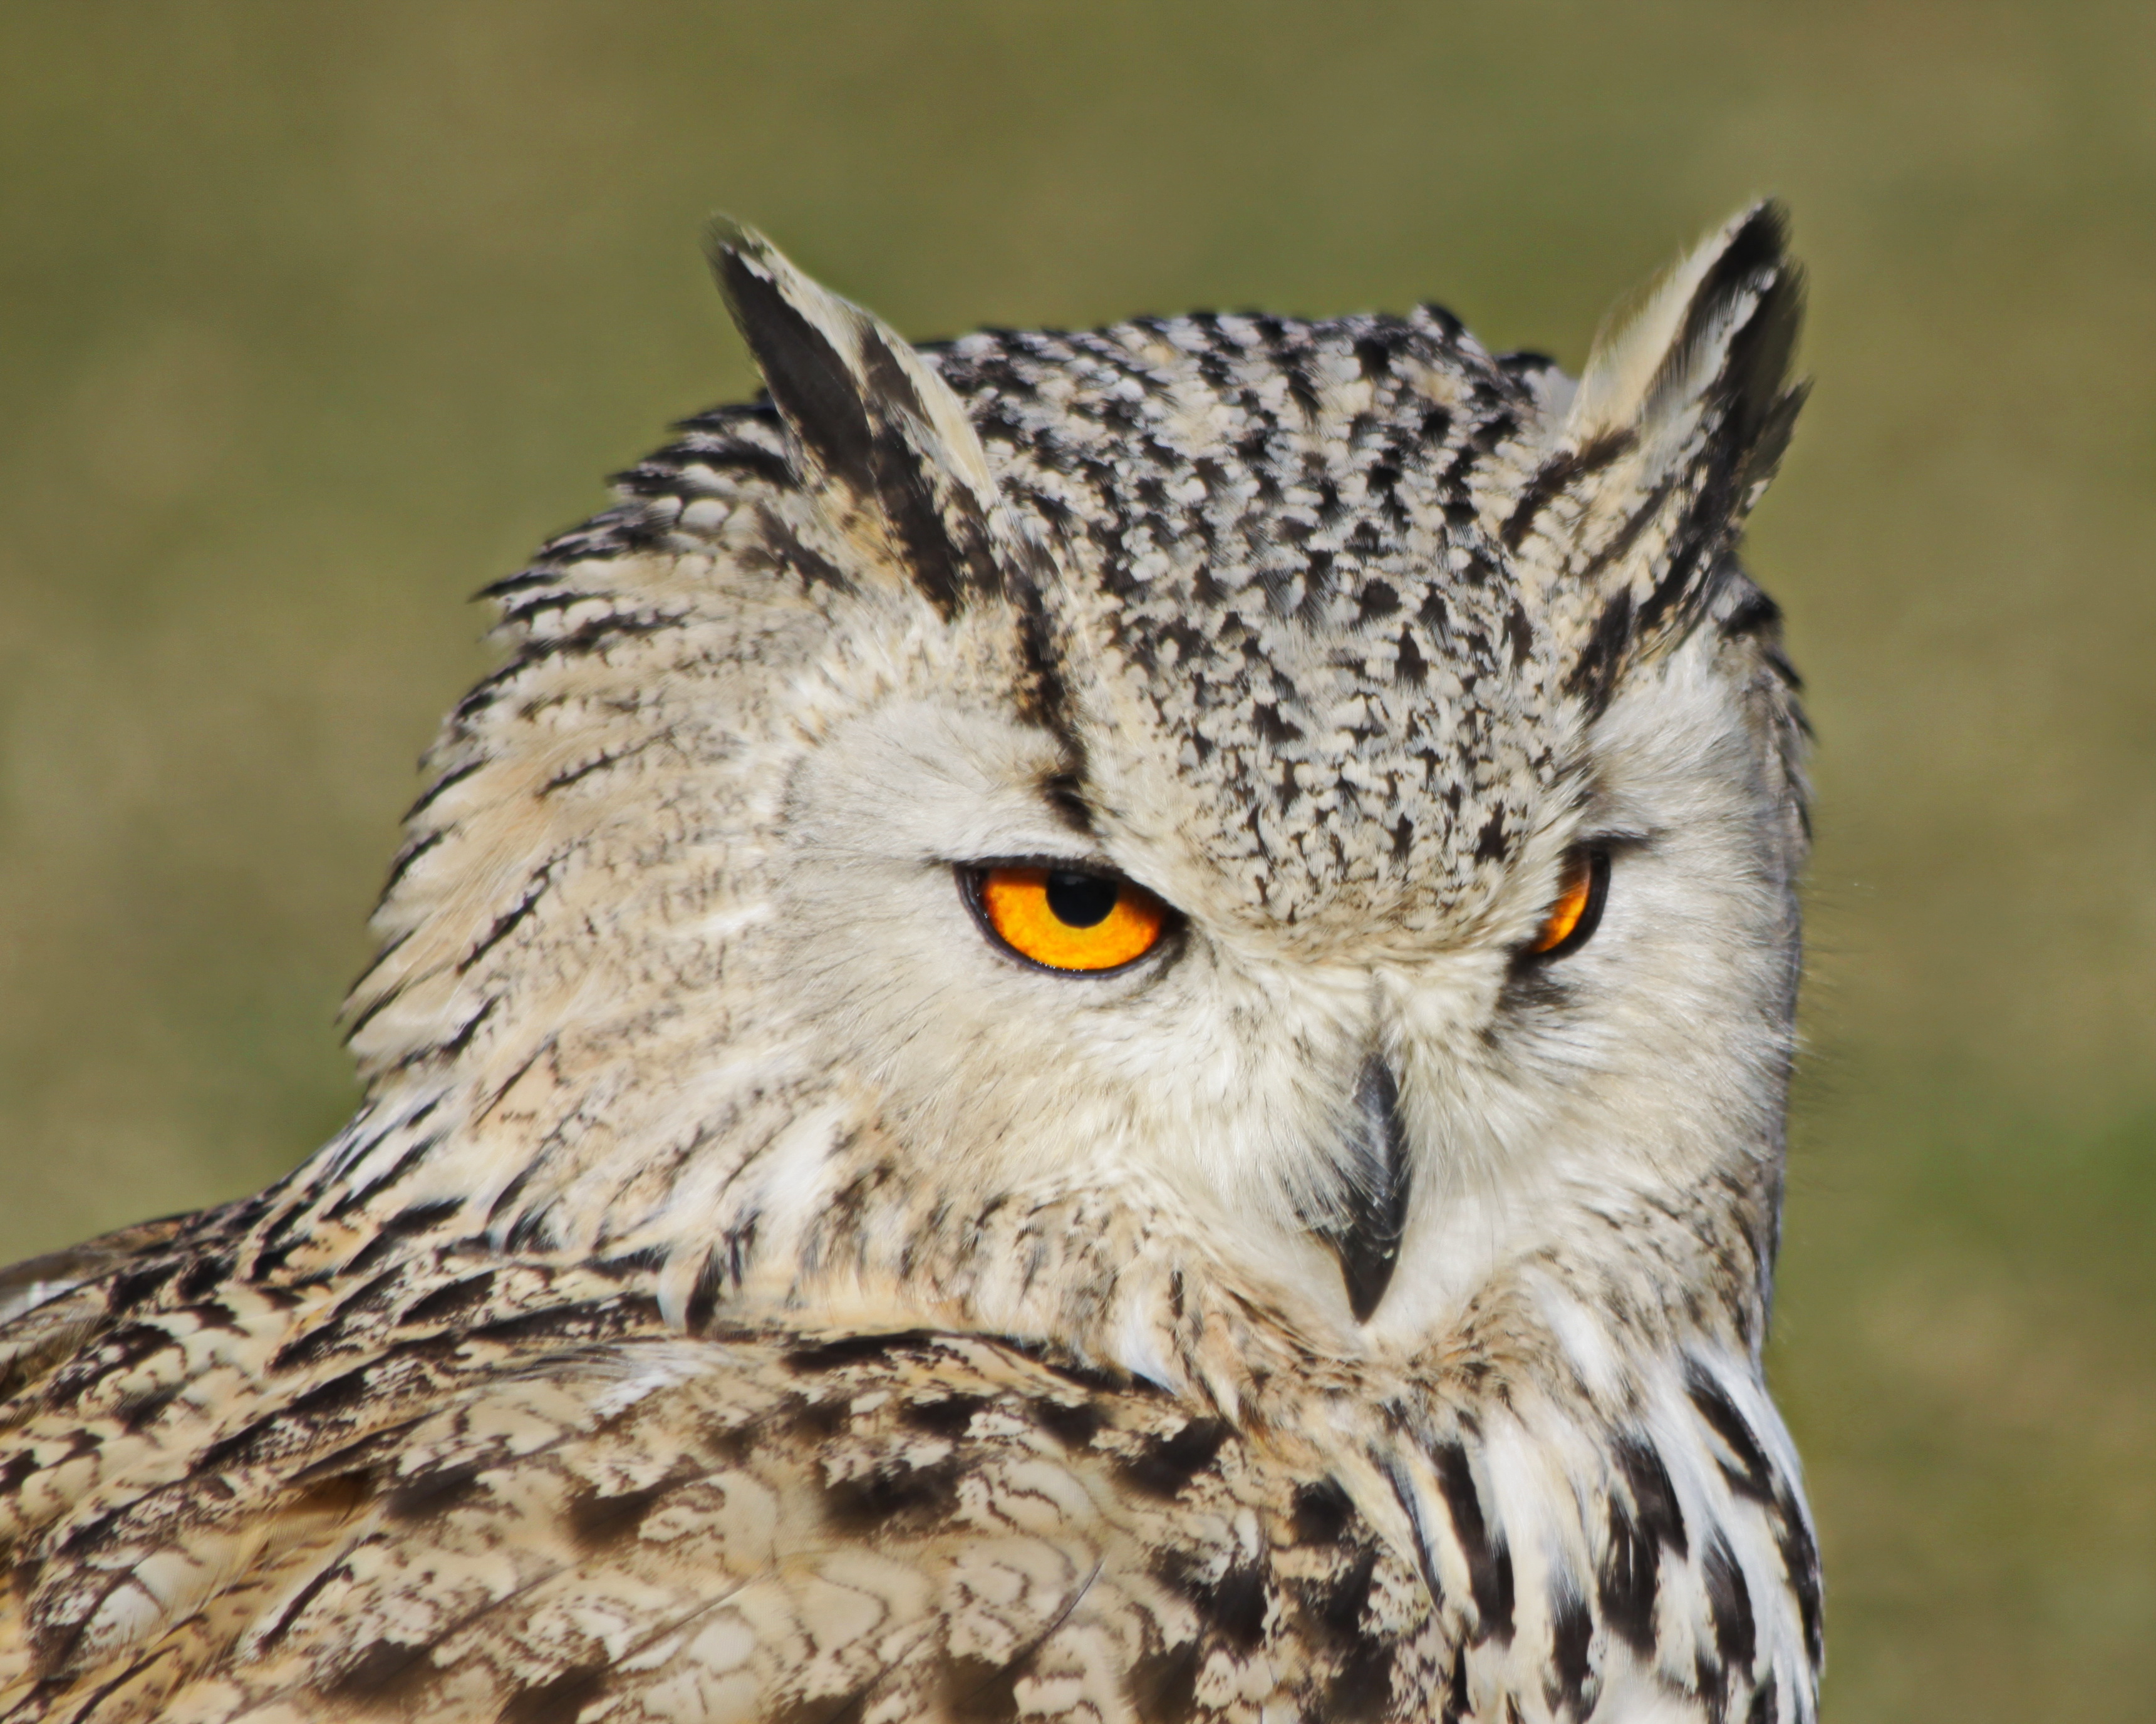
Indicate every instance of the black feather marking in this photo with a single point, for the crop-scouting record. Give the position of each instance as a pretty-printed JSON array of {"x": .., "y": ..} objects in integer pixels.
[
  {"x": 1232, "y": 1607},
  {"x": 329, "y": 1574},
  {"x": 711, "y": 1284},
  {"x": 1571, "y": 1628},
  {"x": 940, "y": 530},
  {"x": 1074, "y": 1424},
  {"x": 1729, "y": 1602},
  {"x": 1048, "y": 699},
  {"x": 1361, "y": 1686},
  {"x": 428, "y": 1494},
  {"x": 807, "y": 377},
  {"x": 894, "y": 1499},
  {"x": 1410, "y": 1500},
  {"x": 1162, "y": 1683},
  {"x": 560, "y": 1700},
  {"x": 1627, "y": 1582},
  {"x": 447, "y": 782},
  {"x": 387, "y": 1673},
  {"x": 135, "y": 1288},
  {"x": 1755, "y": 613},
  {"x": 1322, "y": 1512},
  {"x": 950, "y": 1416},
  {"x": 1409, "y": 664},
  {"x": 1750, "y": 407},
  {"x": 205, "y": 1273},
  {"x": 1166, "y": 1464},
  {"x": 1751, "y": 1476},
  {"x": 586, "y": 1319},
  {"x": 1754, "y": 375},
  {"x": 408, "y": 856},
  {"x": 783, "y": 549},
  {"x": 340, "y": 1394},
  {"x": 462, "y": 1038},
  {"x": 456, "y": 1300},
  {"x": 597, "y": 1522},
  {"x": 1593, "y": 674},
  {"x": 864, "y": 428},
  {"x": 1489, "y": 1558},
  {"x": 1654, "y": 1497},
  {"x": 535, "y": 887},
  {"x": 1800, "y": 1563},
  {"x": 1755, "y": 260},
  {"x": 851, "y": 1349},
  {"x": 408, "y": 1220},
  {"x": 1555, "y": 477}
]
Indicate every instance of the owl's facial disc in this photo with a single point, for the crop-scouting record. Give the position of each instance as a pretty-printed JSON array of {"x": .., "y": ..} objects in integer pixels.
[
  {"x": 1271, "y": 1077},
  {"x": 1046, "y": 996},
  {"x": 1083, "y": 922}
]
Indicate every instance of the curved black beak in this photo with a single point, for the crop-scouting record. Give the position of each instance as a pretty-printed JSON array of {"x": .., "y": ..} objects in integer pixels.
[{"x": 1367, "y": 1239}]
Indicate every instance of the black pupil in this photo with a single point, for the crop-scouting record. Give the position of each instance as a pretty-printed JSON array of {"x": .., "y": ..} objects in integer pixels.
[{"x": 1081, "y": 900}]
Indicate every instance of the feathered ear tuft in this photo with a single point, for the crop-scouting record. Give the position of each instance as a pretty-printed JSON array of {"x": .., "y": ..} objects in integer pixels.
[
  {"x": 1682, "y": 414},
  {"x": 886, "y": 445},
  {"x": 1716, "y": 330}
]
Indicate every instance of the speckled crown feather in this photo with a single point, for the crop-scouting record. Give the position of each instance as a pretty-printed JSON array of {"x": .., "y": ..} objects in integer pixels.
[{"x": 1358, "y": 581}]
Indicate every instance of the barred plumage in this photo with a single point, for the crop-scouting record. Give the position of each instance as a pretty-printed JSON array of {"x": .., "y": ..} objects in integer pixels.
[{"x": 750, "y": 1290}]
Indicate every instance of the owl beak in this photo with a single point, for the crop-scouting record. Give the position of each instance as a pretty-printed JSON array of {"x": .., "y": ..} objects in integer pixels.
[{"x": 1374, "y": 1162}]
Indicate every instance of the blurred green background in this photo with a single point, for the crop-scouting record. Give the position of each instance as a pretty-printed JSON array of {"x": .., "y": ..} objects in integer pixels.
[{"x": 314, "y": 318}]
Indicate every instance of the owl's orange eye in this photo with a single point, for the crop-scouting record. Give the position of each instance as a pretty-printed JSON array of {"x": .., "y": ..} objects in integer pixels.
[
  {"x": 1064, "y": 920},
  {"x": 1571, "y": 920}
]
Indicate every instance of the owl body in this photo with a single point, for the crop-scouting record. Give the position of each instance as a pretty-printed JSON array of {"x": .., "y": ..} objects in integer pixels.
[{"x": 760, "y": 1284}]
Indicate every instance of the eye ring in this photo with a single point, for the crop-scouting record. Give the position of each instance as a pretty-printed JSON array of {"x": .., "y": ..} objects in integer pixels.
[
  {"x": 1049, "y": 914},
  {"x": 1570, "y": 921}
]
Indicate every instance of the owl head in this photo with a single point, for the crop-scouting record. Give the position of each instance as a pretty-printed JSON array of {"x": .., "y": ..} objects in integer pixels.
[{"x": 1079, "y": 832}]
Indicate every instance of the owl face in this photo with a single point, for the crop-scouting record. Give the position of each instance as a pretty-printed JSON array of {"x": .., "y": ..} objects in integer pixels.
[
  {"x": 1313, "y": 807},
  {"x": 1360, "y": 1116},
  {"x": 1287, "y": 811}
]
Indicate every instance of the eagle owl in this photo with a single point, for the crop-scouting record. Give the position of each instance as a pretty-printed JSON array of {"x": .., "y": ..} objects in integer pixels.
[{"x": 1094, "y": 1026}]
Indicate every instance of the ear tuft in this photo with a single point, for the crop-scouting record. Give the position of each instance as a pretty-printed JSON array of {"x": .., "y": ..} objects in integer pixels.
[
  {"x": 1716, "y": 329},
  {"x": 877, "y": 435},
  {"x": 805, "y": 341},
  {"x": 1681, "y": 417}
]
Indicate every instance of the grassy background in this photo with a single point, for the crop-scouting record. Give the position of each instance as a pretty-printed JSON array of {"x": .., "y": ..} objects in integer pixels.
[{"x": 313, "y": 319}]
